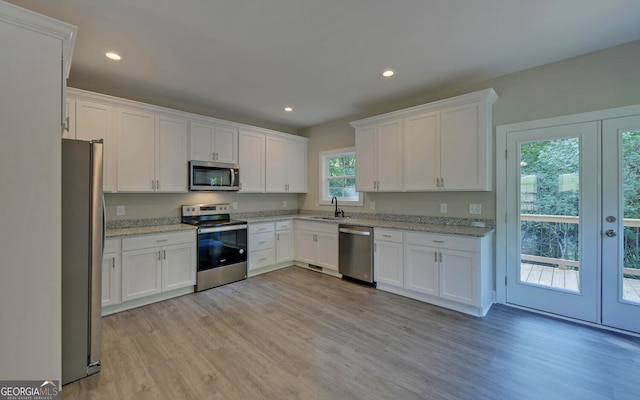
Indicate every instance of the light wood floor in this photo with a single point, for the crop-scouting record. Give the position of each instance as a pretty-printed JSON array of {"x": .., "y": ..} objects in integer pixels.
[{"x": 298, "y": 334}]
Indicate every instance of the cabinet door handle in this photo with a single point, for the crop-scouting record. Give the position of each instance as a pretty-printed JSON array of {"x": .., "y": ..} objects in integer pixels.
[
  {"x": 159, "y": 255},
  {"x": 277, "y": 236},
  {"x": 436, "y": 256},
  {"x": 153, "y": 184},
  {"x": 157, "y": 185},
  {"x": 164, "y": 254},
  {"x": 440, "y": 257},
  {"x": 113, "y": 262},
  {"x": 375, "y": 247},
  {"x": 66, "y": 126}
]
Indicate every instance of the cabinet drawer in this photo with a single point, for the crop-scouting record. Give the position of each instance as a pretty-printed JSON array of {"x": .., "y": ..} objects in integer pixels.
[
  {"x": 284, "y": 225},
  {"x": 388, "y": 235},
  {"x": 112, "y": 246},
  {"x": 442, "y": 241},
  {"x": 262, "y": 258},
  {"x": 261, "y": 228},
  {"x": 261, "y": 241},
  {"x": 327, "y": 227},
  {"x": 165, "y": 239}
]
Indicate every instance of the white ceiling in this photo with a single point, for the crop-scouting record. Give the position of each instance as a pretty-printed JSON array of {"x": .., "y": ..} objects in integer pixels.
[{"x": 251, "y": 58}]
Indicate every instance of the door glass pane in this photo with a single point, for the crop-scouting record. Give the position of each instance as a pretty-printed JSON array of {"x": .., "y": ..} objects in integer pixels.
[
  {"x": 549, "y": 213},
  {"x": 631, "y": 195}
]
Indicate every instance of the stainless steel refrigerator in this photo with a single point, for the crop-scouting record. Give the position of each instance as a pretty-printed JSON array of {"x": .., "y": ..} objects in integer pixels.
[{"x": 83, "y": 225}]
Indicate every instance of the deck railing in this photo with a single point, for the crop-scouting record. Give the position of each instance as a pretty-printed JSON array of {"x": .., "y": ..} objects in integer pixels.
[{"x": 560, "y": 245}]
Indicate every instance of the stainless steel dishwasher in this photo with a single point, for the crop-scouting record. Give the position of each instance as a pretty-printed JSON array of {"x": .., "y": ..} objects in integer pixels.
[{"x": 355, "y": 249}]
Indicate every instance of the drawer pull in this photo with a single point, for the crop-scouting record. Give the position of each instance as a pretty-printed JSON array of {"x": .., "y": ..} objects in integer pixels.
[
  {"x": 386, "y": 236},
  {"x": 162, "y": 240},
  {"x": 438, "y": 241},
  {"x": 263, "y": 259}
]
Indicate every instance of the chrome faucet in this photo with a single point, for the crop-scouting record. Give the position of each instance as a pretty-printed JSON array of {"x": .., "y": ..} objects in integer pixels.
[{"x": 338, "y": 211}]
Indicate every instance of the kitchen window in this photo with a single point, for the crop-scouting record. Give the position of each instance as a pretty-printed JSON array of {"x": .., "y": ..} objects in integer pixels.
[{"x": 338, "y": 177}]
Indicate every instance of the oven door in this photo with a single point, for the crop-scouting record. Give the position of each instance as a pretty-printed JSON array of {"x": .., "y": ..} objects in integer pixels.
[{"x": 221, "y": 246}]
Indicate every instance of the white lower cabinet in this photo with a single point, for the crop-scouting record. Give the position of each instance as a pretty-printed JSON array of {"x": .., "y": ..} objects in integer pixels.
[
  {"x": 261, "y": 246},
  {"x": 449, "y": 271},
  {"x": 270, "y": 246},
  {"x": 388, "y": 257},
  {"x": 284, "y": 241},
  {"x": 317, "y": 244},
  {"x": 111, "y": 273},
  {"x": 143, "y": 269}
]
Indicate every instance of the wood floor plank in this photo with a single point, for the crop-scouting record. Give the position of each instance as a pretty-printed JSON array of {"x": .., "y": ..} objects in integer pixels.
[{"x": 298, "y": 334}]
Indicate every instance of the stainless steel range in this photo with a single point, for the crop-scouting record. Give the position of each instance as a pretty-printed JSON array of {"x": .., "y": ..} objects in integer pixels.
[{"x": 222, "y": 244}]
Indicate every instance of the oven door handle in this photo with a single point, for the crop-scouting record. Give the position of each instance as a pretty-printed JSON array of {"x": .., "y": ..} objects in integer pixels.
[{"x": 222, "y": 229}]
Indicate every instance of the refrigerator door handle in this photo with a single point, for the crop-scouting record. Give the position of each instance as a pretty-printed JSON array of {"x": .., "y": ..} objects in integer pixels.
[{"x": 98, "y": 224}]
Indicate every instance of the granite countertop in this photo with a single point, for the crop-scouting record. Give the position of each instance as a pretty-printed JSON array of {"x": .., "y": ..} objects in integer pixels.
[
  {"x": 433, "y": 225},
  {"x": 445, "y": 229},
  {"x": 144, "y": 230}
]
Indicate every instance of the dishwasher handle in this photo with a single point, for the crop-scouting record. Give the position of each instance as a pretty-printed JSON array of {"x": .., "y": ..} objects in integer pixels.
[{"x": 354, "y": 232}]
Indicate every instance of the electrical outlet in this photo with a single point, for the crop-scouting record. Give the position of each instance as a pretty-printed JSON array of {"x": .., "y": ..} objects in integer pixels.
[
  {"x": 475, "y": 208},
  {"x": 119, "y": 210},
  {"x": 234, "y": 205},
  {"x": 284, "y": 203},
  {"x": 372, "y": 205},
  {"x": 443, "y": 207},
  {"x": 317, "y": 203}
]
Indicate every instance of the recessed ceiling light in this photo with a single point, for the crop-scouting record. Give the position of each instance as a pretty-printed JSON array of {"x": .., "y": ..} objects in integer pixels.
[
  {"x": 113, "y": 56},
  {"x": 388, "y": 73},
  {"x": 288, "y": 109}
]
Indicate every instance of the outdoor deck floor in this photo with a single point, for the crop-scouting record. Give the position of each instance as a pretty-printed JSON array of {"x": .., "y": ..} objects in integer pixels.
[{"x": 568, "y": 279}]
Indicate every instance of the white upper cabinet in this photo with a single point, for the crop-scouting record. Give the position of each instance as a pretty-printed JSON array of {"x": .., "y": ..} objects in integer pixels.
[
  {"x": 286, "y": 166},
  {"x": 421, "y": 155},
  {"x": 147, "y": 148},
  {"x": 208, "y": 142},
  {"x": 465, "y": 151},
  {"x": 379, "y": 157},
  {"x": 445, "y": 145},
  {"x": 136, "y": 151},
  {"x": 251, "y": 159},
  {"x": 152, "y": 152},
  {"x": 171, "y": 154},
  {"x": 92, "y": 121}
]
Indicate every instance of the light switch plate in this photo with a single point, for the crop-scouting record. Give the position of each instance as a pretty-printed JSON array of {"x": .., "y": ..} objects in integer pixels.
[
  {"x": 119, "y": 210},
  {"x": 372, "y": 205},
  {"x": 284, "y": 203},
  {"x": 234, "y": 205},
  {"x": 443, "y": 207},
  {"x": 475, "y": 208}
]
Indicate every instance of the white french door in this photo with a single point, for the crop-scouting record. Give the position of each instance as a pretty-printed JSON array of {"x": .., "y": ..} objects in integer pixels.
[
  {"x": 552, "y": 229},
  {"x": 573, "y": 221},
  {"x": 621, "y": 223}
]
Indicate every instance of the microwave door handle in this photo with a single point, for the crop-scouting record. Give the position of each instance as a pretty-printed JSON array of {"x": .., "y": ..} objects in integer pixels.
[{"x": 233, "y": 177}]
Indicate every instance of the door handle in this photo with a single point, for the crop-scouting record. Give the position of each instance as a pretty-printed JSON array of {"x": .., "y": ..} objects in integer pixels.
[{"x": 610, "y": 233}]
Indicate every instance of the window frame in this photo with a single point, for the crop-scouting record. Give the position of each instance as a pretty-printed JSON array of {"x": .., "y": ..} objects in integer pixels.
[{"x": 323, "y": 157}]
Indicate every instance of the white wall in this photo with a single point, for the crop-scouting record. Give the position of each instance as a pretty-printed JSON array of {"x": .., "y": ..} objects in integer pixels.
[{"x": 601, "y": 80}]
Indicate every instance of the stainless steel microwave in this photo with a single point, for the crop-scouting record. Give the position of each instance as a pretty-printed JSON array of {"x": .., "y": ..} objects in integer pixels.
[{"x": 213, "y": 176}]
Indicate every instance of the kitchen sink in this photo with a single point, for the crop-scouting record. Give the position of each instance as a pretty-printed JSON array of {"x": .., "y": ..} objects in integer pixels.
[{"x": 327, "y": 218}]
